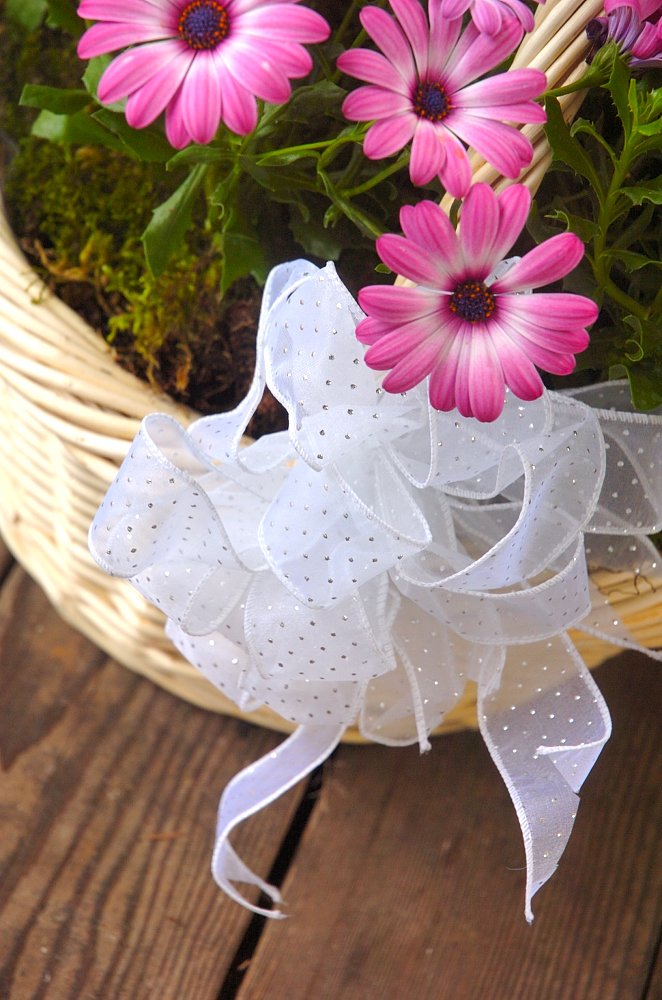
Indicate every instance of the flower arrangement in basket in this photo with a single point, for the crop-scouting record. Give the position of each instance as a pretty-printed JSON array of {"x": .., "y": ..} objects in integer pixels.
[{"x": 431, "y": 515}]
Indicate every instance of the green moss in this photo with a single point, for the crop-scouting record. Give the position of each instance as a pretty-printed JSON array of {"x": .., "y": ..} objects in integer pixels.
[{"x": 81, "y": 212}]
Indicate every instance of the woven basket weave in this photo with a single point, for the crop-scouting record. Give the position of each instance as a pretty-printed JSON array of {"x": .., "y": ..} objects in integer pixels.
[{"x": 68, "y": 413}]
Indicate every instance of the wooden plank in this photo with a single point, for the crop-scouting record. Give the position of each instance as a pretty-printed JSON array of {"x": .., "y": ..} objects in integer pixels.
[
  {"x": 108, "y": 800},
  {"x": 409, "y": 880}
]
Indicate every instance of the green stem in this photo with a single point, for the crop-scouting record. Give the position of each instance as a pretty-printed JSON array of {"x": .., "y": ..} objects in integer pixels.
[
  {"x": 401, "y": 162},
  {"x": 601, "y": 261}
]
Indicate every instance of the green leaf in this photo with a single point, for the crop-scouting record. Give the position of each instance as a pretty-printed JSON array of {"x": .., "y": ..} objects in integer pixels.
[
  {"x": 645, "y": 386},
  {"x": 651, "y": 191},
  {"x": 79, "y": 129},
  {"x": 195, "y": 154},
  {"x": 315, "y": 239},
  {"x": 58, "y": 100},
  {"x": 651, "y": 128},
  {"x": 632, "y": 261},
  {"x": 146, "y": 144},
  {"x": 242, "y": 255},
  {"x": 62, "y": 14},
  {"x": 167, "y": 228},
  {"x": 284, "y": 157},
  {"x": 565, "y": 148},
  {"x": 618, "y": 86},
  {"x": 92, "y": 75},
  {"x": 586, "y": 229},
  {"x": 312, "y": 103},
  {"x": 27, "y": 14}
]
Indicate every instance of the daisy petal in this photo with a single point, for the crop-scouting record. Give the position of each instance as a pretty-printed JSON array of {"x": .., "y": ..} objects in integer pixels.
[
  {"x": 396, "y": 303},
  {"x": 519, "y": 372},
  {"x": 176, "y": 133},
  {"x": 479, "y": 227},
  {"x": 427, "y": 153},
  {"x": 405, "y": 257},
  {"x": 429, "y": 226},
  {"x": 514, "y": 205},
  {"x": 258, "y": 72},
  {"x": 549, "y": 310},
  {"x": 414, "y": 24},
  {"x": 547, "y": 262},
  {"x": 515, "y": 86},
  {"x": 285, "y": 22},
  {"x": 370, "y": 102},
  {"x": 137, "y": 11},
  {"x": 103, "y": 38},
  {"x": 442, "y": 377},
  {"x": 146, "y": 104},
  {"x": 501, "y": 145},
  {"x": 387, "y": 34},
  {"x": 486, "y": 15},
  {"x": 455, "y": 173},
  {"x": 476, "y": 53},
  {"x": 413, "y": 368},
  {"x": 401, "y": 341},
  {"x": 372, "y": 67},
  {"x": 479, "y": 385},
  {"x": 239, "y": 107},
  {"x": 388, "y": 136},
  {"x": 201, "y": 99},
  {"x": 132, "y": 69}
]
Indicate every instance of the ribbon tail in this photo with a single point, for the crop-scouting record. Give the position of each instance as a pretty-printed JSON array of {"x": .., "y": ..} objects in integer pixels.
[
  {"x": 257, "y": 786},
  {"x": 544, "y": 726}
]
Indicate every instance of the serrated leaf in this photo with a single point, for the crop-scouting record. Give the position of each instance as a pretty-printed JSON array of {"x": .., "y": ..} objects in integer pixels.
[
  {"x": 79, "y": 129},
  {"x": 651, "y": 191},
  {"x": 27, "y": 14},
  {"x": 564, "y": 146},
  {"x": 586, "y": 229},
  {"x": 170, "y": 221},
  {"x": 147, "y": 144},
  {"x": 618, "y": 86},
  {"x": 55, "y": 99}
]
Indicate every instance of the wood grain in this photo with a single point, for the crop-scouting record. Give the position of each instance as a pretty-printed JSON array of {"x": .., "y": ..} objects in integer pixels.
[
  {"x": 409, "y": 880},
  {"x": 109, "y": 791}
]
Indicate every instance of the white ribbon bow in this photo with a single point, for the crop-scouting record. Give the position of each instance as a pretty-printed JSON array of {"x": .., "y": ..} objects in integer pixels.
[{"x": 363, "y": 566}]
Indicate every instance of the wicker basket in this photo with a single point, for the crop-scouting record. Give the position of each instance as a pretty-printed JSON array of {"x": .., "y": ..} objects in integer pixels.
[{"x": 68, "y": 413}]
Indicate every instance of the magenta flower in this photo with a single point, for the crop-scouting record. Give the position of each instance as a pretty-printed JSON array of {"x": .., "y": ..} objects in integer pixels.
[
  {"x": 471, "y": 332},
  {"x": 488, "y": 15},
  {"x": 200, "y": 61},
  {"x": 422, "y": 88},
  {"x": 626, "y": 24}
]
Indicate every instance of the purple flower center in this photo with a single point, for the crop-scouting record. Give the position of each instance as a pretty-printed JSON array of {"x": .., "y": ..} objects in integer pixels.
[
  {"x": 472, "y": 301},
  {"x": 203, "y": 24},
  {"x": 431, "y": 101}
]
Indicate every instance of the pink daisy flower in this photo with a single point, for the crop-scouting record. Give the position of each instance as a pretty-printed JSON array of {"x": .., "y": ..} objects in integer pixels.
[
  {"x": 421, "y": 87},
  {"x": 471, "y": 331},
  {"x": 636, "y": 37},
  {"x": 488, "y": 15},
  {"x": 202, "y": 61}
]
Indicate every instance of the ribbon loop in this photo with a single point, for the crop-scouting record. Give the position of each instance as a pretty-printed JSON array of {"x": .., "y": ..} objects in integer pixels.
[{"x": 363, "y": 566}]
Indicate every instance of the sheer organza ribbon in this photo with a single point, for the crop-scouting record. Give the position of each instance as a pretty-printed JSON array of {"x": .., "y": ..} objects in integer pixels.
[{"x": 363, "y": 566}]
